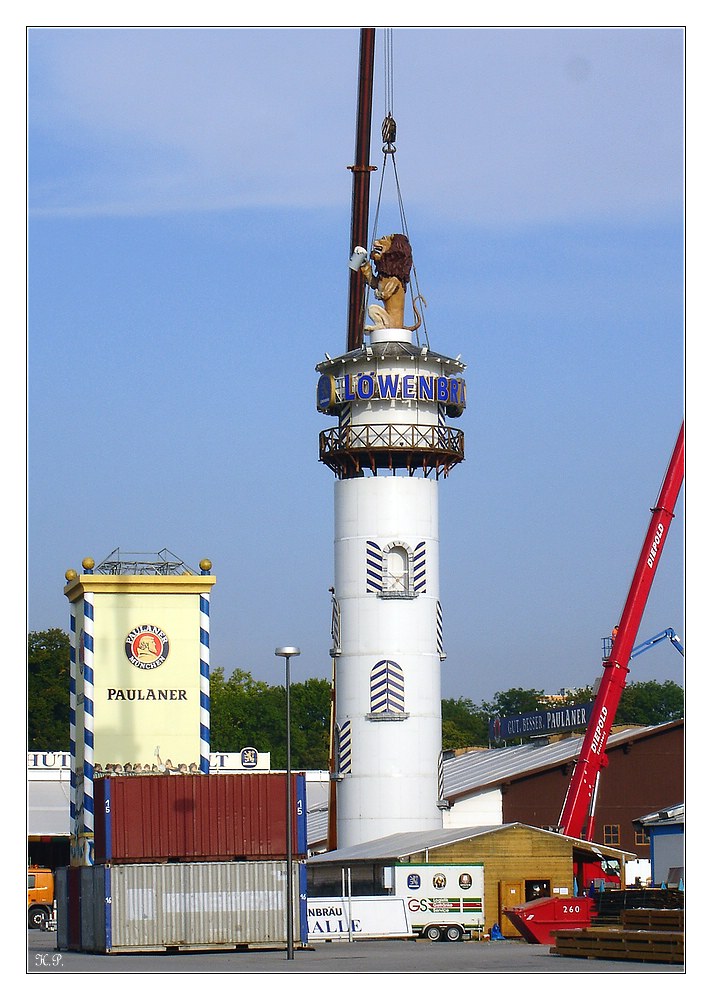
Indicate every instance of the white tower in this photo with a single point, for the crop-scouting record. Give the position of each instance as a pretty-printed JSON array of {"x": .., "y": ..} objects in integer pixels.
[{"x": 389, "y": 450}]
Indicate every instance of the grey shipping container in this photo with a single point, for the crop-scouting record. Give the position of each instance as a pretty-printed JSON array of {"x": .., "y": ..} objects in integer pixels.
[
  {"x": 187, "y": 906},
  {"x": 61, "y": 891}
]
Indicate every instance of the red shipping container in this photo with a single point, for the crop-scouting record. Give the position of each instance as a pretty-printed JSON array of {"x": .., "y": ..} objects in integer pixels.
[{"x": 210, "y": 817}]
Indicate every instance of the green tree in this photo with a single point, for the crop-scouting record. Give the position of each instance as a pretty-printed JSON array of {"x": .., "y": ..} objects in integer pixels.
[
  {"x": 515, "y": 701},
  {"x": 463, "y": 724},
  {"x": 245, "y": 712},
  {"x": 648, "y": 703},
  {"x": 579, "y": 696},
  {"x": 48, "y": 690},
  {"x": 310, "y": 706}
]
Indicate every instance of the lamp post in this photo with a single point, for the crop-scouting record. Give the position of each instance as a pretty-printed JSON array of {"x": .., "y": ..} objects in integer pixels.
[{"x": 287, "y": 652}]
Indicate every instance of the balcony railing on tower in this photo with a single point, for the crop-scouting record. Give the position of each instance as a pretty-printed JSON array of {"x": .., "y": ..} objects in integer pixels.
[{"x": 351, "y": 449}]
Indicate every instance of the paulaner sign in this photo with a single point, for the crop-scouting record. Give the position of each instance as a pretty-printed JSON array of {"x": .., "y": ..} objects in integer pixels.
[{"x": 541, "y": 723}]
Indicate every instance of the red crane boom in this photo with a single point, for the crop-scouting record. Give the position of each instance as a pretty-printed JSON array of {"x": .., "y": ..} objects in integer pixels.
[{"x": 576, "y": 816}]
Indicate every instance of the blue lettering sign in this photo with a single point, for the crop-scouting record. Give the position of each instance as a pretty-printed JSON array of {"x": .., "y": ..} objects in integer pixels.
[{"x": 388, "y": 386}]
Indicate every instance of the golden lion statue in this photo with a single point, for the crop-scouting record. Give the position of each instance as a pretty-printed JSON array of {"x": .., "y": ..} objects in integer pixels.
[{"x": 393, "y": 260}]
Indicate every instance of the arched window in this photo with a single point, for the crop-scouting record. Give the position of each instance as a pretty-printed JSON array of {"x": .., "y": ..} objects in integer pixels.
[
  {"x": 396, "y": 570},
  {"x": 396, "y": 578}
]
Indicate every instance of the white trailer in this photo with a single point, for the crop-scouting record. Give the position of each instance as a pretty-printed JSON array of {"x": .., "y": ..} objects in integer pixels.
[
  {"x": 347, "y": 918},
  {"x": 444, "y": 902}
]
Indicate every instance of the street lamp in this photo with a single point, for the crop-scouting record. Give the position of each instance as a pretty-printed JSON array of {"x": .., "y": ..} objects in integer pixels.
[{"x": 287, "y": 652}]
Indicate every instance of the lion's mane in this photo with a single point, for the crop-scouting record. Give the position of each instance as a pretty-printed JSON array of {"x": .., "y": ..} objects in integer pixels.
[{"x": 398, "y": 261}]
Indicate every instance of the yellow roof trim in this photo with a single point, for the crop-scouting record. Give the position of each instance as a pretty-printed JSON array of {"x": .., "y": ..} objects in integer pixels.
[{"x": 95, "y": 583}]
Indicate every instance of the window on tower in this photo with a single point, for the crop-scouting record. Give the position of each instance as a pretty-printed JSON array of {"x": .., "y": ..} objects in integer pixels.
[
  {"x": 396, "y": 579},
  {"x": 396, "y": 569}
]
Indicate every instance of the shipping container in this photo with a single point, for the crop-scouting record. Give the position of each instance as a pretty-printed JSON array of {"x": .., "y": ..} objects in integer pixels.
[
  {"x": 67, "y": 889},
  {"x": 211, "y": 817},
  {"x": 61, "y": 888},
  {"x": 198, "y": 906}
]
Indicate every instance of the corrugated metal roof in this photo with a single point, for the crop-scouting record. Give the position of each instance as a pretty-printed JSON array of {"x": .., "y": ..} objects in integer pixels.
[
  {"x": 398, "y": 845},
  {"x": 478, "y": 769},
  {"x": 670, "y": 816},
  {"x": 471, "y": 772},
  {"x": 317, "y": 824},
  {"x": 317, "y": 789},
  {"x": 402, "y": 845}
]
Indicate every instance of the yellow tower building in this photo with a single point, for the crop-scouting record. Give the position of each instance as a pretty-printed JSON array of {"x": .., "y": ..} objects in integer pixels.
[{"x": 139, "y": 675}]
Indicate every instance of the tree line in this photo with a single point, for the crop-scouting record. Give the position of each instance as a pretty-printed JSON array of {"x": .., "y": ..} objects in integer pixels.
[{"x": 246, "y": 712}]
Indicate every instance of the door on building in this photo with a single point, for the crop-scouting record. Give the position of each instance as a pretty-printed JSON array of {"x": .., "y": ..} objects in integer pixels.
[
  {"x": 510, "y": 894},
  {"x": 513, "y": 893}
]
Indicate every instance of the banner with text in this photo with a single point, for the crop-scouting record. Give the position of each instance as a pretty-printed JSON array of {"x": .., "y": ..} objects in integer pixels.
[{"x": 547, "y": 721}]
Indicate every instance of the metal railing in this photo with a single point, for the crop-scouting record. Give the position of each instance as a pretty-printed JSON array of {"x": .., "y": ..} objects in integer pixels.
[
  {"x": 163, "y": 563},
  {"x": 393, "y": 437}
]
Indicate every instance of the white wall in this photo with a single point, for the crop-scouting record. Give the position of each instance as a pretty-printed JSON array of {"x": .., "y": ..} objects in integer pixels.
[{"x": 483, "y": 809}]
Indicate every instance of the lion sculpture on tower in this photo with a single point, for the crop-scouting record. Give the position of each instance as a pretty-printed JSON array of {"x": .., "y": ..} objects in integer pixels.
[{"x": 393, "y": 259}]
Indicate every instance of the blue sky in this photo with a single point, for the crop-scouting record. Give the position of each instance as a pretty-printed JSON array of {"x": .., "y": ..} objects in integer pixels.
[{"x": 188, "y": 233}]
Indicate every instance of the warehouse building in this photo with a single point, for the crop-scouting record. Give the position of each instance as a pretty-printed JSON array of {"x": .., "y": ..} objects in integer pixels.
[
  {"x": 520, "y": 863},
  {"x": 527, "y": 783},
  {"x": 665, "y": 830}
]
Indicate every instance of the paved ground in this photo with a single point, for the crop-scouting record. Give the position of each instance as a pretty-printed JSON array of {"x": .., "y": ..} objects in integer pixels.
[{"x": 361, "y": 957}]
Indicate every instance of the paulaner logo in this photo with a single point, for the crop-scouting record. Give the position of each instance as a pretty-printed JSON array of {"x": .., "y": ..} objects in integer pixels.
[{"x": 146, "y": 647}]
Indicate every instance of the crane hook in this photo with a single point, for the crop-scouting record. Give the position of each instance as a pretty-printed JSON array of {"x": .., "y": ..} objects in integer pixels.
[{"x": 388, "y": 132}]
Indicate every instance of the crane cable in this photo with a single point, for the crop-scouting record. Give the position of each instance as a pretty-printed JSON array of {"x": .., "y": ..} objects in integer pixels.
[{"x": 388, "y": 134}]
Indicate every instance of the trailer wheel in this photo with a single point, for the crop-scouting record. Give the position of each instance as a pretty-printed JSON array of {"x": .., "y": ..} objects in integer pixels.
[
  {"x": 36, "y": 917},
  {"x": 453, "y": 933},
  {"x": 433, "y": 933}
]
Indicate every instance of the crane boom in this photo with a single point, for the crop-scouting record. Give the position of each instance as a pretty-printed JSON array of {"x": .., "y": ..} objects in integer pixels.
[
  {"x": 669, "y": 633},
  {"x": 576, "y": 816},
  {"x": 361, "y": 184}
]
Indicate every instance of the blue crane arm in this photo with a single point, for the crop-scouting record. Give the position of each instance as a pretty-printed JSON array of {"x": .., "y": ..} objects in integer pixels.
[{"x": 649, "y": 643}]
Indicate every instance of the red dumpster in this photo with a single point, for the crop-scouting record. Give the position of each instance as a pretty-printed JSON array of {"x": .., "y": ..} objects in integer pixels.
[{"x": 537, "y": 921}]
